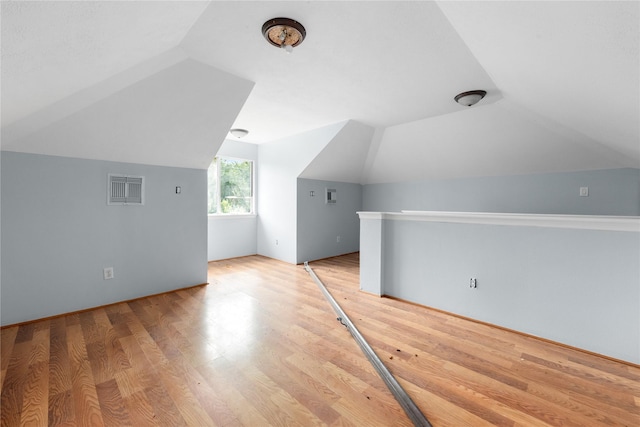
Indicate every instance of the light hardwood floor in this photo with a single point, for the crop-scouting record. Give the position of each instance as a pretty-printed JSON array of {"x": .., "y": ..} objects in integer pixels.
[{"x": 260, "y": 346}]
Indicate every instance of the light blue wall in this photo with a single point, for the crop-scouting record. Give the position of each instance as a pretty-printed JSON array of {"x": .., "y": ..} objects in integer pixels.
[
  {"x": 611, "y": 192},
  {"x": 234, "y": 236},
  {"x": 231, "y": 237},
  {"x": 58, "y": 234},
  {"x": 319, "y": 223},
  {"x": 578, "y": 287}
]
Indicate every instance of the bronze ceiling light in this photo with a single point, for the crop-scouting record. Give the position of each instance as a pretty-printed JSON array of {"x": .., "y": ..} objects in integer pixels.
[
  {"x": 284, "y": 33},
  {"x": 470, "y": 98}
]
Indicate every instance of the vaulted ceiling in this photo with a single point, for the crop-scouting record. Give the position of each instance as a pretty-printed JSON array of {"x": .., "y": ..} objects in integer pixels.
[{"x": 162, "y": 83}]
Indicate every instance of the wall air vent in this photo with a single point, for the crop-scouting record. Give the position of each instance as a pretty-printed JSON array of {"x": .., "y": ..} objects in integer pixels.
[
  {"x": 331, "y": 196},
  {"x": 125, "y": 190}
]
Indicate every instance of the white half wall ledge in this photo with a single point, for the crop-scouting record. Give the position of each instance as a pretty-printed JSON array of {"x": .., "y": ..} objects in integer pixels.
[{"x": 584, "y": 222}]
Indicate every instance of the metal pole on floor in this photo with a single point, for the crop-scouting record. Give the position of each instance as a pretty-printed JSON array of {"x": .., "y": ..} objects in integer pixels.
[{"x": 410, "y": 408}]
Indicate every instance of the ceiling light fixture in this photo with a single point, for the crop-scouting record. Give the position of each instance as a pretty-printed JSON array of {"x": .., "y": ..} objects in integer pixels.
[
  {"x": 284, "y": 33},
  {"x": 470, "y": 98},
  {"x": 239, "y": 133}
]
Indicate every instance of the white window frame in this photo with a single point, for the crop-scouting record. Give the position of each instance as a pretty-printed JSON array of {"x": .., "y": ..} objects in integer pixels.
[{"x": 218, "y": 213}]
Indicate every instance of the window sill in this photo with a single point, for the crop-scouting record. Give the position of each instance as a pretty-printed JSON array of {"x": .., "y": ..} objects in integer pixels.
[{"x": 231, "y": 216}]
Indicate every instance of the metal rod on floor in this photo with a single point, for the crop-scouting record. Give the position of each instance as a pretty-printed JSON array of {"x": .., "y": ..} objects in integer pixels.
[{"x": 410, "y": 408}]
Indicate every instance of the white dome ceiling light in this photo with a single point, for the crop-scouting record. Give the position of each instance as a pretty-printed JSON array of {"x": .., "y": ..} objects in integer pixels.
[{"x": 239, "y": 133}]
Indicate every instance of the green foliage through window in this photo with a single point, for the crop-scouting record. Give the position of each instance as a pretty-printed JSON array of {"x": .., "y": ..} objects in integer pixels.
[{"x": 230, "y": 186}]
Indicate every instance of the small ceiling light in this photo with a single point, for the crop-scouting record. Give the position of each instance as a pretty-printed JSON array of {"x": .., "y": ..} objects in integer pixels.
[
  {"x": 470, "y": 98},
  {"x": 239, "y": 133},
  {"x": 284, "y": 33}
]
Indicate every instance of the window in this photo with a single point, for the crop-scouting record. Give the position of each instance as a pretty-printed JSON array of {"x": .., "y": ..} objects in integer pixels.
[{"x": 230, "y": 186}]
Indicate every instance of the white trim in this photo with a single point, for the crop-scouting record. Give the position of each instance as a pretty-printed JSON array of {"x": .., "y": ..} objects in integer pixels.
[
  {"x": 232, "y": 216},
  {"x": 372, "y": 215},
  {"x": 585, "y": 222}
]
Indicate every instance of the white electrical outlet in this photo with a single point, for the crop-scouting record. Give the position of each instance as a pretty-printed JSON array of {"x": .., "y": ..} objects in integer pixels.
[
  {"x": 108, "y": 273},
  {"x": 338, "y": 239},
  {"x": 584, "y": 191},
  {"x": 473, "y": 283}
]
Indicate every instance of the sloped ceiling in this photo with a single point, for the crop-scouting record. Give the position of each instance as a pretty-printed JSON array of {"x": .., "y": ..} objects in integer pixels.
[
  {"x": 498, "y": 139},
  {"x": 575, "y": 63},
  {"x": 342, "y": 159},
  {"x": 380, "y": 63},
  {"x": 163, "y": 119},
  {"x": 51, "y": 49},
  {"x": 562, "y": 81}
]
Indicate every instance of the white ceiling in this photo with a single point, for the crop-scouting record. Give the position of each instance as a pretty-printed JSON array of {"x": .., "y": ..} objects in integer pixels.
[
  {"x": 51, "y": 49},
  {"x": 576, "y": 63},
  {"x": 381, "y": 63},
  {"x": 563, "y": 80}
]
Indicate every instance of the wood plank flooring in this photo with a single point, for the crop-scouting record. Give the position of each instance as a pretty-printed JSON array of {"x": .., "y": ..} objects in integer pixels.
[{"x": 260, "y": 346}]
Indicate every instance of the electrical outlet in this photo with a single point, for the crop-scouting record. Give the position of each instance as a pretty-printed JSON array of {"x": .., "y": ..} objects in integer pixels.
[
  {"x": 276, "y": 242},
  {"x": 473, "y": 283},
  {"x": 108, "y": 273},
  {"x": 338, "y": 239},
  {"x": 584, "y": 191}
]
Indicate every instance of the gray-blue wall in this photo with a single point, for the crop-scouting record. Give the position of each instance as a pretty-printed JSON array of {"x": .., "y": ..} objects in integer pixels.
[
  {"x": 574, "y": 286},
  {"x": 578, "y": 287},
  {"x": 611, "y": 192},
  {"x": 319, "y": 224},
  {"x": 58, "y": 233}
]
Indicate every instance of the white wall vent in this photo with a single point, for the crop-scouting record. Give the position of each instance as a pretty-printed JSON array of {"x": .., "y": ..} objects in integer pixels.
[{"x": 125, "y": 190}]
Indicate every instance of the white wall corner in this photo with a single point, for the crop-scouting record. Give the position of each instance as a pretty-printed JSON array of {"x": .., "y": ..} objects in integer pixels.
[{"x": 376, "y": 140}]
